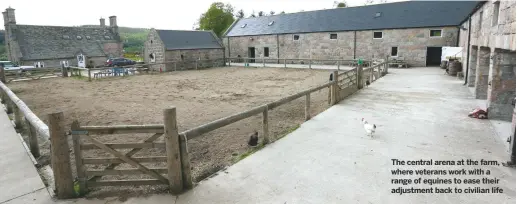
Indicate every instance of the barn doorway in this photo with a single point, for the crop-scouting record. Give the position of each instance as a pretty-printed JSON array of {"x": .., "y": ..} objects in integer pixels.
[
  {"x": 434, "y": 56},
  {"x": 251, "y": 54}
]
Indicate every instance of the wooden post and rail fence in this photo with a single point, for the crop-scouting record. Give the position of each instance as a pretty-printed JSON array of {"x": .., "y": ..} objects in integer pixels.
[{"x": 176, "y": 173}]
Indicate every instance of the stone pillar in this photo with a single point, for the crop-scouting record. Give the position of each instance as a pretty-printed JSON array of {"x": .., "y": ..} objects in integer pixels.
[
  {"x": 471, "y": 80},
  {"x": 501, "y": 88},
  {"x": 482, "y": 70}
]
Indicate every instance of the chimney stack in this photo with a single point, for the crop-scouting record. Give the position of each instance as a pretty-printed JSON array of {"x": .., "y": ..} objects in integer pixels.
[
  {"x": 113, "y": 21},
  {"x": 9, "y": 17},
  {"x": 113, "y": 24},
  {"x": 103, "y": 22}
]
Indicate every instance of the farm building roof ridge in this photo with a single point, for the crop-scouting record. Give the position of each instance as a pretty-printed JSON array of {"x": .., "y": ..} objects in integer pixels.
[{"x": 408, "y": 14}]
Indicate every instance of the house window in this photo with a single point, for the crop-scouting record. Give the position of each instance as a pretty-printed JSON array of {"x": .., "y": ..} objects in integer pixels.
[
  {"x": 79, "y": 37},
  {"x": 435, "y": 33},
  {"x": 266, "y": 52},
  {"x": 394, "y": 51},
  {"x": 377, "y": 35},
  {"x": 296, "y": 37},
  {"x": 88, "y": 37},
  {"x": 66, "y": 37},
  {"x": 333, "y": 36},
  {"x": 378, "y": 14},
  {"x": 495, "y": 17},
  {"x": 182, "y": 57}
]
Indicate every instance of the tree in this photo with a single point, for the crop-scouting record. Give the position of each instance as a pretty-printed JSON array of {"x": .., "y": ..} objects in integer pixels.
[
  {"x": 261, "y": 13},
  {"x": 342, "y": 4},
  {"x": 252, "y": 15},
  {"x": 283, "y": 12},
  {"x": 218, "y": 18},
  {"x": 271, "y": 13},
  {"x": 240, "y": 14}
]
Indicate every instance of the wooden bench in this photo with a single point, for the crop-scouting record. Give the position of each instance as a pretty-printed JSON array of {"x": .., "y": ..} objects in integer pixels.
[{"x": 399, "y": 61}]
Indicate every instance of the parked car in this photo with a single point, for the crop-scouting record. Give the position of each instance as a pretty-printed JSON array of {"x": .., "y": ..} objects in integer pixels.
[
  {"x": 119, "y": 62},
  {"x": 8, "y": 65}
]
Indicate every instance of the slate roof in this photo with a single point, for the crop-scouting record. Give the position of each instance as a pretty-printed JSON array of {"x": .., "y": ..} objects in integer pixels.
[
  {"x": 408, "y": 14},
  {"x": 187, "y": 40},
  {"x": 50, "y": 42}
]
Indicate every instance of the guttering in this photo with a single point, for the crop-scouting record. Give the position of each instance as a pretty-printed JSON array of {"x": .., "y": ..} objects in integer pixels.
[{"x": 468, "y": 52}]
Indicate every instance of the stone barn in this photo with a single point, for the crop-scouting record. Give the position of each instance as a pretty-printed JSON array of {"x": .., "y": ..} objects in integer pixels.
[
  {"x": 51, "y": 46},
  {"x": 414, "y": 30},
  {"x": 179, "y": 49},
  {"x": 488, "y": 41}
]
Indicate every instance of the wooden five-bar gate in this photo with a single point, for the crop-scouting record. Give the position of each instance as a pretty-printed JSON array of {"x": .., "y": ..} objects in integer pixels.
[{"x": 176, "y": 175}]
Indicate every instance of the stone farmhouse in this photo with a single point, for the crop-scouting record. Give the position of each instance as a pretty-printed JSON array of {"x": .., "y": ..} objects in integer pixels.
[
  {"x": 182, "y": 49},
  {"x": 413, "y": 30},
  {"x": 488, "y": 41},
  {"x": 52, "y": 46}
]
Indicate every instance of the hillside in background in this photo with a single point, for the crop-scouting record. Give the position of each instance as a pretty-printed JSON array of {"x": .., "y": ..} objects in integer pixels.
[{"x": 133, "y": 39}]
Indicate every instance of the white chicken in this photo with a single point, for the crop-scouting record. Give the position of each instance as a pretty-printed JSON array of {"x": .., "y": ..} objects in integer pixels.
[{"x": 369, "y": 128}]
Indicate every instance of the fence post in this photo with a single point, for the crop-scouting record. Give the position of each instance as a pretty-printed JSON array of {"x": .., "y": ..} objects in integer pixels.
[
  {"x": 308, "y": 106},
  {"x": 263, "y": 62},
  {"x": 8, "y": 104},
  {"x": 265, "y": 125},
  {"x": 310, "y": 63},
  {"x": 197, "y": 63},
  {"x": 379, "y": 74},
  {"x": 17, "y": 117},
  {"x": 60, "y": 156},
  {"x": 2, "y": 74},
  {"x": 33, "y": 140},
  {"x": 387, "y": 65},
  {"x": 335, "y": 89},
  {"x": 285, "y": 63},
  {"x": 174, "y": 66},
  {"x": 89, "y": 74},
  {"x": 359, "y": 76},
  {"x": 172, "y": 145},
  {"x": 338, "y": 63}
]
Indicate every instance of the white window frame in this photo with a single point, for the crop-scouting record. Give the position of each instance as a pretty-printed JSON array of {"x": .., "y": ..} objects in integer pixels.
[
  {"x": 431, "y": 30},
  {"x": 382, "y": 34},
  {"x": 391, "y": 51},
  {"x": 330, "y": 36},
  {"x": 298, "y": 37}
]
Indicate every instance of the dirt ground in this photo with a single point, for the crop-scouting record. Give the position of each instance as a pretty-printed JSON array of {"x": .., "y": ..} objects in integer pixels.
[{"x": 200, "y": 97}]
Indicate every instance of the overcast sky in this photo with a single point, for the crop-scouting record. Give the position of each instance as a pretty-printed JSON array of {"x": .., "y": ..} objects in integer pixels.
[{"x": 172, "y": 14}]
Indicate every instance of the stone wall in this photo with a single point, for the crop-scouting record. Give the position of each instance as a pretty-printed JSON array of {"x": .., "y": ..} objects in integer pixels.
[
  {"x": 501, "y": 88},
  {"x": 206, "y": 57},
  {"x": 412, "y": 44},
  {"x": 485, "y": 33},
  {"x": 154, "y": 45}
]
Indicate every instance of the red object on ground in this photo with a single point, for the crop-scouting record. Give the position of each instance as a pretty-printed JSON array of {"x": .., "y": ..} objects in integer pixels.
[
  {"x": 160, "y": 69},
  {"x": 479, "y": 114}
]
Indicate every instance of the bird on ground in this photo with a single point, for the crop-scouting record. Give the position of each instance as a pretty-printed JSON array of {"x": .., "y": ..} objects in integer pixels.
[
  {"x": 253, "y": 141},
  {"x": 369, "y": 128}
]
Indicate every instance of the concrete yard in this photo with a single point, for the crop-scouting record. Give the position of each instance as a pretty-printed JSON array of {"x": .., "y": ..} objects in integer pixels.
[
  {"x": 19, "y": 179},
  {"x": 420, "y": 114}
]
